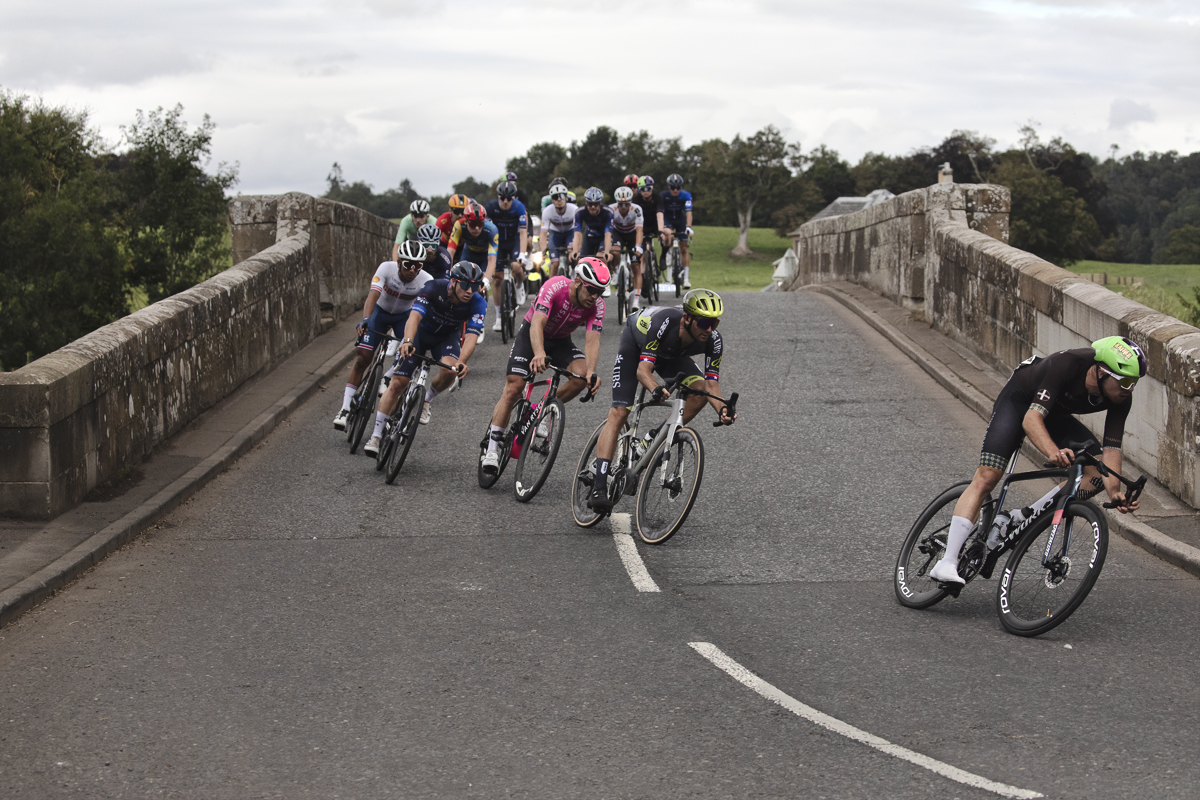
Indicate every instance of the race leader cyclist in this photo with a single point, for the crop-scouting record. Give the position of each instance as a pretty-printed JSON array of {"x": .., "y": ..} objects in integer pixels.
[
  {"x": 508, "y": 214},
  {"x": 1038, "y": 402},
  {"x": 558, "y": 227},
  {"x": 593, "y": 229},
  {"x": 390, "y": 298},
  {"x": 435, "y": 326},
  {"x": 561, "y": 306},
  {"x": 661, "y": 340},
  {"x": 676, "y": 219},
  {"x": 627, "y": 233},
  {"x": 446, "y": 222},
  {"x": 437, "y": 258},
  {"x": 418, "y": 215}
]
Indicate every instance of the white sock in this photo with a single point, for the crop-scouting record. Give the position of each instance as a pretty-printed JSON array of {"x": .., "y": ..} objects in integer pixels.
[
  {"x": 960, "y": 529},
  {"x": 348, "y": 396},
  {"x": 493, "y": 445},
  {"x": 430, "y": 393},
  {"x": 685, "y": 273},
  {"x": 390, "y": 371},
  {"x": 380, "y": 418}
]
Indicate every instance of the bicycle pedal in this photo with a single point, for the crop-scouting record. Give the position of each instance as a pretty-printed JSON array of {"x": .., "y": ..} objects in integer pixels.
[{"x": 951, "y": 589}]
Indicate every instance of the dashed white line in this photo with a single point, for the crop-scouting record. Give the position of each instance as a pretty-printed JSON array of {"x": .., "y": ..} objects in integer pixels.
[
  {"x": 752, "y": 681},
  {"x": 629, "y": 554}
]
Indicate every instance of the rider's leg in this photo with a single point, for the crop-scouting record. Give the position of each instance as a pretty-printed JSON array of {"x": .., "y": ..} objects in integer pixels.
[
  {"x": 966, "y": 511},
  {"x": 362, "y": 358},
  {"x": 513, "y": 385},
  {"x": 441, "y": 382},
  {"x": 571, "y": 389},
  {"x": 389, "y": 401},
  {"x": 607, "y": 444},
  {"x": 683, "y": 247},
  {"x": 695, "y": 403}
]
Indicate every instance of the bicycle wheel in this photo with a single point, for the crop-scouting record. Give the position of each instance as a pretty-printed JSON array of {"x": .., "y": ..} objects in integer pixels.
[
  {"x": 363, "y": 405},
  {"x": 677, "y": 270},
  {"x": 508, "y": 307},
  {"x": 669, "y": 487},
  {"x": 1033, "y": 598},
  {"x": 540, "y": 451},
  {"x": 581, "y": 485},
  {"x": 650, "y": 275},
  {"x": 486, "y": 481},
  {"x": 406, "y": 431},
  {"x": 387, "y": 443},
  {"x": 922, "y": 548},
  {"x": 622, "y": 300}
]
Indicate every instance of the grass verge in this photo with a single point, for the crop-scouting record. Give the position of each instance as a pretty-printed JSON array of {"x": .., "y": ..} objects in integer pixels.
[{"x": 1164, "y": 285}]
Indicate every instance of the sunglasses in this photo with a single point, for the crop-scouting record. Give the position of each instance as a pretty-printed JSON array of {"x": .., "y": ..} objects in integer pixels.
[
  {"x": 705, "y": 323},
  {"x": 594, "y": 291},
  {"x": 411, "y": 266},
  {"x": 592, "y": 205},
  {"x": 471, "y": 286},
  {"x": 1122, "y": 381},
  {"x": 623, "y": 205},
  {"x": 558, "y": 197},
  {"x": 475, "y": 224}
]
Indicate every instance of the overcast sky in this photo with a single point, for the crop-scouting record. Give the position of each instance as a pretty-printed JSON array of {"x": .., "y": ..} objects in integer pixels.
[{"x": 435, "y": 90}]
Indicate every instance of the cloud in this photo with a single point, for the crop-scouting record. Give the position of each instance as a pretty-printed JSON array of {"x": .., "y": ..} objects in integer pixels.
[{"x": 1124, "y": 113}]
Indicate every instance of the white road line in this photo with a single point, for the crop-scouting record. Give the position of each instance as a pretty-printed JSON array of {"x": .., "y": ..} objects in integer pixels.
[
  {"x": 629, "y": 555},
  {"x": 749, "y": 679}
]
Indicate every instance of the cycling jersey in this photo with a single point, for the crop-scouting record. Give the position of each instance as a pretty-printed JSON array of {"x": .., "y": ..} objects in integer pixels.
[
  {"x": 445, "y": 224},
  {"x": 675, "y": 209},
  {"x": 440, "y": 317},
  {"x": 547, "y": 201},
  {"x": 650, "y": 207},
  {"x": 559, "y": 221},
  {"x": 655, "y": 331},
  {"x": 509, "y": 224},
  {"x": 628, "y": 221},
  {"x": 594, "y": 225},
  {"x": 486, "y": 242},
  {"x": 554, "y": 301},
  {"x": 440, "y": 264},
  {"x": 408, "y": 229},
  {"x": 396, "y": 295}
]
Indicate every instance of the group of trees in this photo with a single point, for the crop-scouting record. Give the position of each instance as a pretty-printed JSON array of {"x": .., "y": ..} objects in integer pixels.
[{"x": 86, "y": 231}]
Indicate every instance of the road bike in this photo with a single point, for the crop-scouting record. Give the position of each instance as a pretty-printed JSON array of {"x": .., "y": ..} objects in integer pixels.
[
  {"x": 401, "y": 427},
  {"x": 507, "y": 304},
  {"x": 664, "y": 473},
  {"x": 650, "y": 273},
  {"x": 675, "y": 261},
  {"x": 624, "y": 283},
  {"x": 366, "y": 396},
  {"x": 1055, "y": 556},
  {"x": 533, "y": 435}
]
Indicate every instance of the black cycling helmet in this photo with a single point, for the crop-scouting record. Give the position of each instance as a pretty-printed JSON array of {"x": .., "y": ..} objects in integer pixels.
[
  {"x": 467, "y": 272},
  {"x": 506, "y": 190},
  {"x": 510, "y": 176},
  {"x": 557, "y": 181},
  {"x": 674, "y": 181}
]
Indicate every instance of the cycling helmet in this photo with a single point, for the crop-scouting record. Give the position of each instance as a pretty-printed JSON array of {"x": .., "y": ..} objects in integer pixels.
[
  {"x": 557, "y": 182},
  {"x": 458, "y": 202},
  {"x": 506, "y": 190},
  {"x": 419, "y": 206},
  {"x": 510, "y": 176},
  {"x": 410, "y": 250},
  {"x": 592, "y": 271},
  {"x": 645, "y": 182},
  {"x": 593, "y": 195},
  {"x": 468, "y": 272},
  {"x": 630, "y": 180},
  {"x": 675, "y": 181},
  {"x": 623, "y": 194},
  {"x": 1121, "y": 357},
  {"x": 558, "y": 190},
  {"x": 703, "y": 303},
  {"x": 474, "y": 213},
  {"x": 429, "y": 234}
]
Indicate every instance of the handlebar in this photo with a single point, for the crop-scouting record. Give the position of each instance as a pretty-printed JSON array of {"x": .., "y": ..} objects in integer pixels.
[
  {"x": 1083, "y": 453},
  {"x": 730, "y": 403},
  {"x": 587, "y": 396}
]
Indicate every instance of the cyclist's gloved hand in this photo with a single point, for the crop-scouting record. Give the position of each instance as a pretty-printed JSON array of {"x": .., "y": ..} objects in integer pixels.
[
  {"x": 660, "y": 394},
  {"x": 362, "y": 326},
  {"x": 637, "y": 248},
  {"x": 524, "y": 259}
]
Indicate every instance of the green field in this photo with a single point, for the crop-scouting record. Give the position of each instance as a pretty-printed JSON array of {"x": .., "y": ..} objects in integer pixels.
[
  {"x": 713, "y": 267},
  {"x": 1162, "y": 289}
]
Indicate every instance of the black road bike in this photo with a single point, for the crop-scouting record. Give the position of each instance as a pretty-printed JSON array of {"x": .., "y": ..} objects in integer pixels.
[
  {"x": 624, "y": 281},
  {"x": 507, "y": 302},
  {"x": 650, "y": 273},
  {"x": 1054, "y": 559},
  {"x": 401, "y": 427},
  {"x": 366, "y": 396}
]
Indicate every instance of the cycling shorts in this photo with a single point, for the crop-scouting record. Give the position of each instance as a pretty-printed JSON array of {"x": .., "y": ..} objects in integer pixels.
[
  {"x": 560, "y": 352},
  {"x": 626, "y": 240},
  {"x": 380, "y": 322},
  {"x": 559, "y": 242},
  {"x": 624, "y": 374},
  {"x": 1006, "y": 430},
  {"x": 592, "y": 244},
  {"x": 449, "y": 344},
  {"x": 479, "y": 258}
]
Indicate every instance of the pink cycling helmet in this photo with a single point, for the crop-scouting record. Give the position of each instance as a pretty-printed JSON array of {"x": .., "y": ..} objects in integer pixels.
[{"x": 593, "y": 272}]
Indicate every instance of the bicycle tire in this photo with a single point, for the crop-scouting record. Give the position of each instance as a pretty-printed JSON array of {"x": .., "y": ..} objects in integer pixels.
[
  {"x": 488, "y": 481},
  {"x": 386, "y": 444},
  {"x": 581, "y": 484},
  {"x": 677, "y": 270},
  {"x": 621, "y": 300},
  {"x": 650, "y": 275},
  {"x": 364, "y": 404},
  {"x": 407, "y": 431},
  {"x": 545, "y": 447},
  {"x": 927, "y": 539},
  {"x": 508, "y": 308},
  {"x": 1026, "y": 601},
  {"x": 663, "y": 505}
]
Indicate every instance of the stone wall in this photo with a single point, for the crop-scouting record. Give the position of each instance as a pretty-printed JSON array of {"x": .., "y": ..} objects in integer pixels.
[
  {"x": 943, "y": 252},
  {"x": 74, "y": 418}
]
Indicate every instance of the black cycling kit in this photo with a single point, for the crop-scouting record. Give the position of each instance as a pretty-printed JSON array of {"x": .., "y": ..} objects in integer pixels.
[{"x": 653, "y": 335}]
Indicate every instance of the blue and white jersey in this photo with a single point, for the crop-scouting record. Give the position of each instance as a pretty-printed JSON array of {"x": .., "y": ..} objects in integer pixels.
[
  {"x": 509, "y": 223},
  {"x": 440, "y": 317},
  {"x": 675, "y": 208},
  {"x": 594, "y": 225}
]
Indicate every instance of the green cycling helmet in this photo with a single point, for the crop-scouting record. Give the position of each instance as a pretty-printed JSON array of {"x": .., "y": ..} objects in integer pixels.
[
  {"x": 703, "y": 303},
  {"x": 1122, "y": 358}
]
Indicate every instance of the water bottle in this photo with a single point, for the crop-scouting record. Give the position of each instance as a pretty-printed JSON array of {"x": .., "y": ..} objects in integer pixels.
[
  {"x": 641, "y": 445},
  {"x": 998, "y": 532}
]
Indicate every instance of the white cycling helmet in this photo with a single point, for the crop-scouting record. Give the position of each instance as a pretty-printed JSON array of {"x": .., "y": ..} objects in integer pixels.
[
  {"x": 558, "y": 189},
  {"x": 623, "y": 194},
  {"x": 419, "y": 206},
  {"x": 410, "y": 250},
  {"x": 429, "y": 234}
]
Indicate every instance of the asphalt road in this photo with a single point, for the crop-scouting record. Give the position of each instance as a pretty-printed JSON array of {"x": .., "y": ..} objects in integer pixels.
[{"x": 299, "y": 629}]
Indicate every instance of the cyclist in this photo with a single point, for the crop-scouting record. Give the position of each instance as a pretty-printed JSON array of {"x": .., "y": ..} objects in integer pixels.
[
  {"x": 523, "y": 196},
  {"x": 652, "y": 213},
  {"x": 561, "y": 306},
  {"x": 661, "y": 340},
  {"x": 418, "y": 215},
  {"x": 1038, "y": 401},
  {"x": 435, "y": 326},
  {"x": 508, "y": 214},
  {"x": 558, "y": 226},
  {"x": 393, "y": 290},
  {"x": 437, "y": 258},
  {"x": 446, "y": 222},
  {"x": 548, "y": 198},
  {"x": 627, "y": 233},
  {"x": 593, "y": 229},
  {"x": 676, "y": 221}
]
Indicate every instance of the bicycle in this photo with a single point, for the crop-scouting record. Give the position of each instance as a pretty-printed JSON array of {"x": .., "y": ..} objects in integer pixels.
[
  {"x": 536, "y": 427},
  {"x": 667, "y": 491},
  {"x": 650, "y": 273},
  {"x": 507, "y": 307},
  {"x": 1052, "y": 566},
  {"x": 675, "y": 262},
  {"x": 366, "y": 396},
  {"x": 401, "y": 427},
  {"x": 624, "y": 281}
]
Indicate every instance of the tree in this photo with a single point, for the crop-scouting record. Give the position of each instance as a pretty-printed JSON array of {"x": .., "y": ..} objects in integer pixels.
[
  {"x": 476, "y": 190},
  {"x": 538, "y": 166},
  {"x": 1184, "y": 245},
  {"x": 755, "y": 169},
  {"x": 1048, "y": 219},
  {"x": 826, "y": 170},
  {"x": 175, "y": 214},
  {"x": 597, "y": 160},
  {"x": 62, "y": 274}
]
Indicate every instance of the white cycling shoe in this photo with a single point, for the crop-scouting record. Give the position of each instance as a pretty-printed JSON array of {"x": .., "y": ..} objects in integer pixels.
[
  {"x": 426, "y": 415},
  {"x": 945, "y": 572},
  {"x": 491, "y": 462},
  {"x": 496, "y": 325},
  {"x": 371, "y": 448},
  {"x": 339, "y": 422}
]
